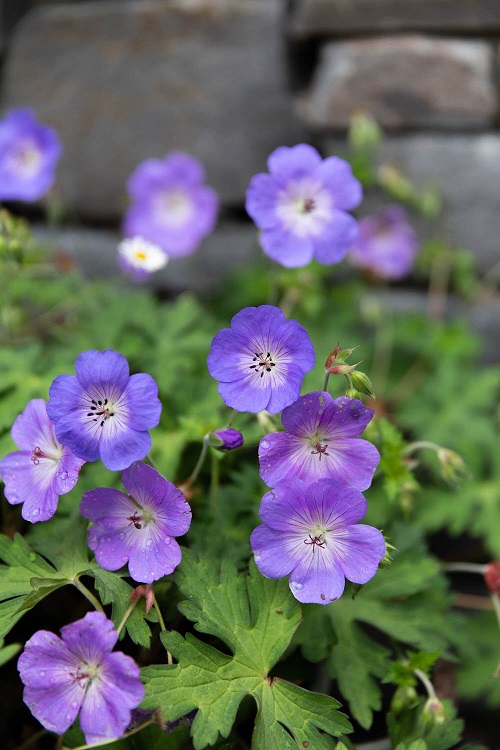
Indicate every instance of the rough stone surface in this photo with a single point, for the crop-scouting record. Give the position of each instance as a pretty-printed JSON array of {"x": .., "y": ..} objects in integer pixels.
[
  {"x": 466, "y": 168},
  {"x": 319, "y": 17},
  {"x": 123, "y": 81},
  {"x": 232, "y": 245},
  {"x": 405, "y": 82}
]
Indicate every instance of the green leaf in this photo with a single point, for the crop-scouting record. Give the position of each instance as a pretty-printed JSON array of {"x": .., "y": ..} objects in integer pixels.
[
  {"x": 414, "y": 726},
  {"x": 256, "y": 617},
  {"x": 7, "y": 652}
]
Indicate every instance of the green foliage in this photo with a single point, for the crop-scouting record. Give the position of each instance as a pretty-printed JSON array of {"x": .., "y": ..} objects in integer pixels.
[
  {"x": 416, "y": 730},
  {"x": 256, "y": 618}
]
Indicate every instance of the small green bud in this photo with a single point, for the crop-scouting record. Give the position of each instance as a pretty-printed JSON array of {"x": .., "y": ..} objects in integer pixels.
[
  {"x": 352, "y": 393},
  {"x": 433, "y": 712},
  {"x": 364, "y": 132},
  {"x": 404, "y": 698},
  {"x": 386, "y": 561},
  {"x": 453, "y": 467},
  {"x": 362, "y": 382}
]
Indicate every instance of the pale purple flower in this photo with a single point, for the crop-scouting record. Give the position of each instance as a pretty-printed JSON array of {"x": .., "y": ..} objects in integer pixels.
[
  {"x": 387, "y": 244},
  {"x": 139, "y": 258},
  {"x": 229, "y": 439},
  {"x": 171, "y": 205},
  {"x": 321, "y": 441},
  {"x": 42, "y": 470},
  {"x": 137, "y": 527},
  {"x": 29, "y": 152},
  {"x": 311, "y": 533},
  {"x": 77, "y": 673},
  {"x": 103, "y": 411},
  {"x": 301, "y": 206},
  {"x": 261, "y": 360}
]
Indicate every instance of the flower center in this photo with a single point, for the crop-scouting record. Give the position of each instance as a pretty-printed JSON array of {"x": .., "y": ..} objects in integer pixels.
[
  {"x": 308, "y": 206},
  {"x": 173, "y": 207},
  {"x": 141, "y": 255},
  {"x": 320, "y": 450},
  {"x": 263, "y": 363},
  {"x": 100, "y": 410},
  {"x": 315, "y": 541},
  {"x": 37, "y": 454}
]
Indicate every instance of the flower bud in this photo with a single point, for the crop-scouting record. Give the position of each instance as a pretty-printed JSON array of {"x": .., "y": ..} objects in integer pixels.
[
  {"x": 403, "y": 698},
  {"x": 363, "y": 383},
  {"x": 145, "y": 590},
  {"x": 332, "y": 357},
  {"x": 434, "y": 711},
  {"x": 342, "y": 369},
  {"x": 352, "y": 393},
  {"x": 225, "y": 440},
  {"x": 453, "y": 467},
  {"x": 492, "y": 577}
]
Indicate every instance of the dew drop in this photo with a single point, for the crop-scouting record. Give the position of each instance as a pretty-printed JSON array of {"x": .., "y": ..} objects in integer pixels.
[
  {"x": 63, "y": 474},
  {"x": 124, "y": 559},
  {"x": 36, "y": 512},
  {"x": 256, "y": 556},
  {"x": 121, "y": 536},
  {"x": 264, "y": 444},
  {"x": 295, "y": 585},
  {"x": 42, "y": 673},
  {"x": 149, "y": 543}
]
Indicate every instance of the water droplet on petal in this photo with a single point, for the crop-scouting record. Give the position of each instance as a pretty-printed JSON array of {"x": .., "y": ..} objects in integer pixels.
[
  {"x": 42, "y": 673},
  {"x": 264, "y": 444},
  {"x": 149, "y": 543},
  {"x": 295, "y": 586},
  {"x": 63, "y": 474},
  {"x": 121, "y": 536}
]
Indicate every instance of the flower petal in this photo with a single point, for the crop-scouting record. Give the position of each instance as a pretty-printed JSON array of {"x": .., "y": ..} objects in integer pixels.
[
  {"x": 317, "y": 578},
  {"x": 359, "y": 550}
]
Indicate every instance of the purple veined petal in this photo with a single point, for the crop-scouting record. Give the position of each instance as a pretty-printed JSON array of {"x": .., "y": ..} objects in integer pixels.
[
  {"x": 336, "y": 239},
  {"x": 243, "y": 396},
  {"x": 337, "y": 175},
  {"x": 206, "y": 202},
  {"x": 153, "y": 556},
  {"x": 274, "y": 556},
  {"x": 65, "y": 395},
  {"x": 350, "y": 461},
  {"x": 67, "y": 473},
  {"x": 317, "y": 579},
  {"x": 302, "y": 417},
  {"x": 107, "y": 370},
  {"x": 280, "y": 457},
  {"x": 106, "y": 710},
  {"x": 286, "y": 508},
  {"x": 358, "y": 550},
  {"x": 221, "y": 361},
  {"x": 293, "y": 344},
  {"x": 32, "y": 428},
  {"x": 91, "y": 638},
  {"x": 345, "y": 418},
  {"x": 30, "y": 484},
  {"x": 104, "y": 502},
  {"x": 285, "y": 389},
  {"x": 286, "y": 248},
  {"x": 261, "y": 201},
  {"x": 257, "y": 322},
  {"x": 80, "y": 435},
  {"x": 287, "y": 163},
  {"x": 334, "y": 504},
  {"x": 142, "y": 392},
  {"x": 120, "y": 445},
  {"x": 146, "y": 178}
]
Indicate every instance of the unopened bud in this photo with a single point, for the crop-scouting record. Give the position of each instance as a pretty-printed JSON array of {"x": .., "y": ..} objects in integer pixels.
[
  {"x": 453, "y": 467},
  {"x": 332, "y": 357},
  {"x": 225, "y": 440},
  {"x": 352, "y": 393},
  {"x": 364, "y": 132},
  {"x": 342, "y": 369},
  {"x": 492, "y": 577},
  {"x": 403, "y": 698},
  {"x": 362, "y": 382},
  {"x": 145, "y": 590},
  {"x": 386, "y": 561},
  {"x": 434, "y": 711}
]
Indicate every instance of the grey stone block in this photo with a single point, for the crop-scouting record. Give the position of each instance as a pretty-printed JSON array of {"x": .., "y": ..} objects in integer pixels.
[
  {"x": 231, "y": 245},
  {"x": 320, "y": 17},
  {"x": 405, "y": 82},
  {"x": 466, "y": 168},
  {"x": 127, "y": 80}
]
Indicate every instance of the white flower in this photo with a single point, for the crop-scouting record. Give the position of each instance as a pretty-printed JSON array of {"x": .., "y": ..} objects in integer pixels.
[{"x": 140, "y": 258}]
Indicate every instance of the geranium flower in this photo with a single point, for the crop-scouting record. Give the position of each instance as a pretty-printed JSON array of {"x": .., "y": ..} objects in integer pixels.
[
  {"x": 311, "y": 532},
  {"x": 139, "y": 258},
  {"x": 104, "y": 412},
  {"x": 227, "y": 440},
  {"x": 261, "y": 360},
  {"x": 29, "y": 152},
  {"x": 301, "y": 206},
  {"x": 321, "y": 440},
  {"x": 42, "y": 470},
  {"x": 387, "y": 244},
  {"x": 77, "y": 673},
  {"x": 171, "y": 206},
  {"x": 139, "y": 527}
]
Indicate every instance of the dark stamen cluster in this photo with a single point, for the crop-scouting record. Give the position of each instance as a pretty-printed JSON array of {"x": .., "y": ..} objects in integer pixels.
[
  {"x": 315, "y": 540},
  {"x": 321, "y": 450},
  {"x": 36, "y": 455},
  {"x": 100, "y": 411},
  {"x": 309, "y": 205},
  {"x": 264, "y": 364},
  {"x": 135, "y": 520}
]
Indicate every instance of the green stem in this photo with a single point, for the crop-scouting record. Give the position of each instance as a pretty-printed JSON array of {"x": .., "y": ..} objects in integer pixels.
[
  {"x": 152, "y": 463},
  {"x": 87, "y": 594},
  {"x": 465, "y": 567},
  {"x": 127, "y": 615},
  {"x": 214, "y": 484},
  {"x": 147, "y": 723},
  {"x": 162, "y": 628},
  {"x": 426, "y": 683},
  {"x": 200, "y": 461},
  {"x": 418, "y": 445},
  {"x": 232, "y": 417},
  {"x": 325, "y": 381}
]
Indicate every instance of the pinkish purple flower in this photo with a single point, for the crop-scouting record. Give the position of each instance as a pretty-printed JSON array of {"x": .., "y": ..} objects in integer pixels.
[
  {"x": 301, "y": 206},
  {"x": 171, "y": 205},
  {"x": 29, "y": 152},
  {"x": 137, "y": 527},
  {"x": 311, "y": 533},
  {"x": 78, "y": 674},
  {"x": 104, "y": 412},
  {"x": 261, "y": 360},
  {"x": 42, "y": 470},
  {"x": 321, "y": 441},
  {"x": 387, "y": 244}
]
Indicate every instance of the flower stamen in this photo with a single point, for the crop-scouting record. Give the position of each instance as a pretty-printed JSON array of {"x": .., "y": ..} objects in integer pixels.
[
  {"x": 321, "y": 450},
  {"x": 315, "y": 540},
  {"x": 100, "y": 410},
  {"x": 264, "y": 364}
]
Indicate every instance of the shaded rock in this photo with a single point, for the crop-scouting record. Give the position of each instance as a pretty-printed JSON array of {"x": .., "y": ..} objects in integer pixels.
[
  {"x": 405, "y": 82},
  {"x": 123, "y": 81}
]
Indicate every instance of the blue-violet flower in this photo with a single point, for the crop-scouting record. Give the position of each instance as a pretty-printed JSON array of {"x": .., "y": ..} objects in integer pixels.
[
  {"x": 387, "y": 244},
  {"x": 226, "y": 440},
  {"x": 29, "y": 152},
  {"x": 103, "y": 411},
  {"x": 321, "y": 441},
  {"x": 77, "y": 673},
  {"x": 311, "y": 532},
  {"x": 42, "y": 470},
  {"x": 139, "y": 258},
  {"x": 171, "y": 205},
  {"x": 139, "y": 527},
  {"x": 261, "y": 360},
  {"x": 301, "y": 206}
]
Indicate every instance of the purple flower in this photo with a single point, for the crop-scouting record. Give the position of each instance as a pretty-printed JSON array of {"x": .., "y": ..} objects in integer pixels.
[
  {"x": 301, "y": 206},
  {"x": 78, "y": 673},
  {"x": 228, "y": 439},
  {"x": 139, "y": 258},
  {"x": 171, "y": 206},
  {"x": 261, "y": 360},
  {"x": 387, "y": 244},
  {"x": 29, "y": 152},
  {"x": 321, "y": 441},
  {"x": 311, "y": 533},
  {"x": 42, "y": 470},
  {"x": 139, "y": 527},
  {"x": 104, "y": 412}
]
